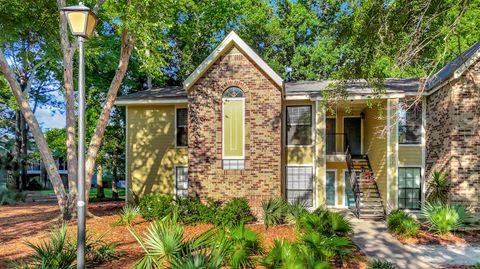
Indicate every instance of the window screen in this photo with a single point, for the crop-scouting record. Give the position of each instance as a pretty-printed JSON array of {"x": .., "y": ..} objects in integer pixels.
[
  {"x": 181, "y": 181},
  {"x": 410, "y": 123},
  {"x": 300, "y": 185},
  {"x": 299, "y": 125},
  {"x": 409, "y": 187},
  {"x": 182, "y": 128}
]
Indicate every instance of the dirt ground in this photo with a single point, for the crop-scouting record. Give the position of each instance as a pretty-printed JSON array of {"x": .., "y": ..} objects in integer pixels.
[
  {"x": 32, "y": 222},
  {"x": 426, "y": 237}
]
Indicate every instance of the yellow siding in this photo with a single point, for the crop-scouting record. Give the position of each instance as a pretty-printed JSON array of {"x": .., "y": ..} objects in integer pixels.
[
  {"x": 299, "y": 155},
  {"x": 151, "y": 152},
  {"x": 409, "y": 155},
  {"x": 375, "y": 144},
  {"x": 339, "y": 167}
]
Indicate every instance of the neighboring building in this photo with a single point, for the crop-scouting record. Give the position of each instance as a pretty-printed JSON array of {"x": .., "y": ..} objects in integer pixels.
[
  {"x": 236, "y": 129},
  {"x": 37, "y": 171}
]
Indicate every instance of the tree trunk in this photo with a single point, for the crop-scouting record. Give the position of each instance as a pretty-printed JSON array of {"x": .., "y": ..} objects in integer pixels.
[
  {"x": 95, "y": 142},
  {"x": 114, "y": 176},
  {"x": 45, "y": 153},
  {"x": 100, "y": 191},
  {"x": 18, "y": 151},
  {"x": 23, "y": 173}
]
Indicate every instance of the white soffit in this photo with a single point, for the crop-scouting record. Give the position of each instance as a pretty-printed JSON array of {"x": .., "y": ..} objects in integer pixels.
[{"x": 231, "y": 39}]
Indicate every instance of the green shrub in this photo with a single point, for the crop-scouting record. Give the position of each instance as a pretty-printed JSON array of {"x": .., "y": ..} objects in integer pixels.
[
  {"x": 274, "y": 211},
  {"x": 10, "y": 197},
  {"x": 234, "y": 213},
  {"x": 57, "y": 252},
  {"x": 192, "y": 211},
  {"x": 379, "y": 264},
  {"x": 325, "y": 222},
  {"x": 288, "y": 255},
  {"x": 154, "y": 206},
  {"x": 444, "y": 218},
  {"x": 476, "y": 266},
  {"x": 401, "y": 223},
  {"x": 295, "y": 211},
  {"x": 242, "y": 246},
  {"x": 438, "y": 188},
  {"x": 127, "y": 215}
]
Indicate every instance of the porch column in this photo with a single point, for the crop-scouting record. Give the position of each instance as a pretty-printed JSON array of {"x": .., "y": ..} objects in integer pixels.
[
  {"x": 392, "y": 153},
  {"x": 320, "y": 153}
]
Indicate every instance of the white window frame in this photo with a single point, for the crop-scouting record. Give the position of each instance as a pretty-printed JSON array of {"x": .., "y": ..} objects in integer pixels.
[
  {"x": 312, "y": 129},
  {"x": 243, "y": 129},
  {"x": 314, "y": 190},
  {"x": 175, "y": 179},
  {"x": 336, "y": 188},
  {"x": 176, "y": 132}
]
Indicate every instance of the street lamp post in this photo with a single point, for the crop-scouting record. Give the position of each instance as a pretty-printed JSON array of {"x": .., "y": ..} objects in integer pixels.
[{"x": 82, "y": 21}]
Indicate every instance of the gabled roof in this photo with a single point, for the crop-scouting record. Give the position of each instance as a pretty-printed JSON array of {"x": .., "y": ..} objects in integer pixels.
[
  {"x": 231, "y": 39},
  {"x": 456, "y": 67}
]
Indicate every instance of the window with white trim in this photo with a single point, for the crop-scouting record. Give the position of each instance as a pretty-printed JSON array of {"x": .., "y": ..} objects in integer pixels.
[
  {"x": 409, "y": 187},
  {"x": 181, "y": 181},
  {"x": 233, "y": 129},
  {"x": 182, "y": 127},
  {"x": 300, "y": 184},
  {"x": 299, "y": 125},
  {"x": 410, "y": 123}
]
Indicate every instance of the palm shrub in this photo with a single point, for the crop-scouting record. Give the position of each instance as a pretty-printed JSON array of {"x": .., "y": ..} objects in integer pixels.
[
  {"x": 234, "y": 213},
  {"x": 127, "y": 215},
  {"x": 164, "y": 245},
  {"x": 325, "y": 222},
  {"x": 476, "y": 266},
  {"x": 57, "y": 252},
  {"x": 154, "y": 206},
  {"x": 438, "y": 188},
  {"x": 242, "y": 246},
  {"x": 379, "y": 264},
  {"x": 328, "y": 247},
  {"x": 286, "y": 255},
  {"x": 401, "y": 223},
  {"x": 444, "y": 218},
  {"x": 274, "y": 212},
  {"x": 295, "y": 211}
]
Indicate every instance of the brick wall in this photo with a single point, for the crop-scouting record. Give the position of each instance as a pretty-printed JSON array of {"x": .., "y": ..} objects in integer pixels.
[
  {"x": 261, "y": 178},
  {"x": 453, "y": 136}
]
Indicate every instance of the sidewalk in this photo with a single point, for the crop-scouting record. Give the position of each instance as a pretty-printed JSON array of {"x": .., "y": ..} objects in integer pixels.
[{"x": 374, "y": 240}]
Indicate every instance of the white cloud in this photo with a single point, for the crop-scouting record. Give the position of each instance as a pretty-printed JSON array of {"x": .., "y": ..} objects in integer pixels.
[{"x": 50, "y": 119}]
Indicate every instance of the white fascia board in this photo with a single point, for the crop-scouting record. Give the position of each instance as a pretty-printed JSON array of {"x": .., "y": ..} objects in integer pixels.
[
  {"x": 150, "y": 102},
  {"x": 231, "y": 39},
  {"x": 365, "y": 97}
]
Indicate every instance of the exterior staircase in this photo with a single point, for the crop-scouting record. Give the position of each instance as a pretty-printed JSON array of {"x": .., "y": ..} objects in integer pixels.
[{"x": 368, "y": 202}]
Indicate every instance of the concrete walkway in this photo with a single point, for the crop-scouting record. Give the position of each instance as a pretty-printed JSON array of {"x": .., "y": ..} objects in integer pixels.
[
  {"x": 374, "y": 240},
  {"x": 439, "y": 255}
]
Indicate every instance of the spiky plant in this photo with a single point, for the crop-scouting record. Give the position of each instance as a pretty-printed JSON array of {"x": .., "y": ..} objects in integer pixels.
[
  {"x": 295, "y": 211},
  {"x": 127, "y": 215},
  {"x": 274, "y": 211},
  {"x": 242, "y": 247},
  {"x": 340, "y": 224},
  {"x": 438, "y": 188},
  {"x": 328, "y": 247},
  {"x": 163, "y": 244},
  {"x": 379, "y": 264},
  {"x": 401, "y": 223},
  {"x": 57, "y": 252},
  {"x": 444, "y": 218},
  {"x": 286, "y": 255}
]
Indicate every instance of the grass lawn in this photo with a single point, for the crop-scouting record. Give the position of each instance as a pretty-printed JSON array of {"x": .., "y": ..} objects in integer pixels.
[{"x": 93, "y": 192}]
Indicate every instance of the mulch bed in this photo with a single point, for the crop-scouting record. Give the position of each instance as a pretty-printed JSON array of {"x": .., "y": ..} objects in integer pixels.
[
  {"x": 32, "y": 222},
  {"x": 426, "y": 237}
]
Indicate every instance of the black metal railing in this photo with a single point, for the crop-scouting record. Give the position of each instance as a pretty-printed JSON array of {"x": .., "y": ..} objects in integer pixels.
[{"x": 354, "y": 184}]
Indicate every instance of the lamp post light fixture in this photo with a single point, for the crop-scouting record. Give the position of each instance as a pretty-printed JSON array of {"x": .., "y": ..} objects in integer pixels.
[{"x": 82, "y": 21}]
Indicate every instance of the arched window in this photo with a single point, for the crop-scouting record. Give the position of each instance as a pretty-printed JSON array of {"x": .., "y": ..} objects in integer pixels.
[{"x": 233, "y": 129}]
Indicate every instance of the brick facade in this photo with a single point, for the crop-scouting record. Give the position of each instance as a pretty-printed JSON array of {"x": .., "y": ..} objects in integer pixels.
[
  {"x": 261, "y": 178},
  {"x": 453, "y": 136}
]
